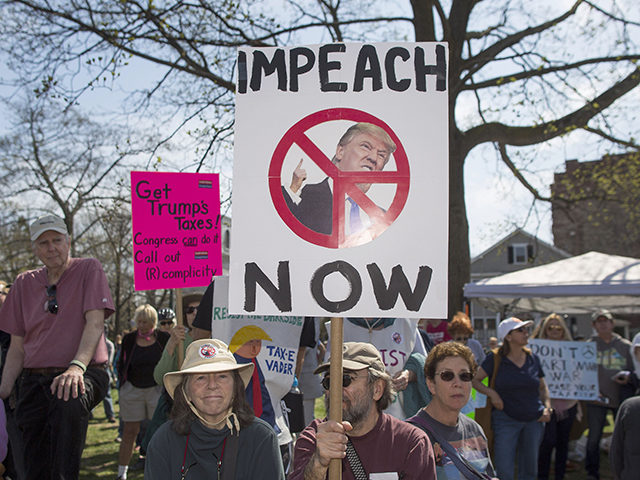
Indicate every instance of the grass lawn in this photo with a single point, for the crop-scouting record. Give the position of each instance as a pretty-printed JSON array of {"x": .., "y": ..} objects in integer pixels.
[{"x": 100, "y": 456}]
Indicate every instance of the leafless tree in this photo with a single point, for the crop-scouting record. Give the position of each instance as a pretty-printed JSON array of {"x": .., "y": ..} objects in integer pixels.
[
  {"x": 15, "y": 255},
  {"x": 520, "y": 73},
  {"x": 57, "y": 160}
]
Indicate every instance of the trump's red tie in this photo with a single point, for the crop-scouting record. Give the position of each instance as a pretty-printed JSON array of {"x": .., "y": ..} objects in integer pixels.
[{"x": 257, "y": 392}]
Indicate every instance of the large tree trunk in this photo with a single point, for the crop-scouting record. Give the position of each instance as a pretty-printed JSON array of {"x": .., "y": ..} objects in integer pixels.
[{"x": 459, "y": 256}]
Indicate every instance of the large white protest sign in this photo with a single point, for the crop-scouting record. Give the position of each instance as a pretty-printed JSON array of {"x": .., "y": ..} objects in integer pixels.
[
  {"x": 340, "y": 192},
  {"x": 272, "y": 341},
  {"x": 570, "y": 368}
]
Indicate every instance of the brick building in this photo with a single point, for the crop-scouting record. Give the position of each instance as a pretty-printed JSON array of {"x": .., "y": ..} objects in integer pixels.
[{"x": 596, "y": 206}]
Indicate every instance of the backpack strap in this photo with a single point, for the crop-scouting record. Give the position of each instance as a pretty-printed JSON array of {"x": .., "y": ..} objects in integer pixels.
[
  {"x": 497, "y": 360},
  {"x": 355, "y": 463}
]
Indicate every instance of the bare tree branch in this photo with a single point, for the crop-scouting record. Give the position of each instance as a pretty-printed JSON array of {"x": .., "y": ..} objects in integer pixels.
[{"x": 520, "y": 136}]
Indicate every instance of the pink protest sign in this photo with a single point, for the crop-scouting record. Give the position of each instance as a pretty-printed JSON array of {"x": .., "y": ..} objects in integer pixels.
[{"x": 176, "y": 229}]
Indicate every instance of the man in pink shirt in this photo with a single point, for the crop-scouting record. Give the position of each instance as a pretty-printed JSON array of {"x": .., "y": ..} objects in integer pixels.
[{"x": 55, "y": 315}]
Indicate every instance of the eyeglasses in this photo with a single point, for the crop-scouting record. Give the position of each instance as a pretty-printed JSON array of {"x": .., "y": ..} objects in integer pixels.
[
  {"x": 52, "y": 304},
  {"x": 554, "y": 327},
  {"x": 461, "y": 339},
  {"x": 191, "y": 309},
  {"x": 166, "y": 322},
  {"x": 346, "y": 381},
  {"x": 448, "y": 375}
]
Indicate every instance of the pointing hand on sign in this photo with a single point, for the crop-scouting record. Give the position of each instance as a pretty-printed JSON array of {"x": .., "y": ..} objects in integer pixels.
[{"x": 298, "y": 177}]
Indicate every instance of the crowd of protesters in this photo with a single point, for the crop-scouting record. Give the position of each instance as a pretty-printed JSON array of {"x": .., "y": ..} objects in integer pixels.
[{"x": 207, "y": 416}]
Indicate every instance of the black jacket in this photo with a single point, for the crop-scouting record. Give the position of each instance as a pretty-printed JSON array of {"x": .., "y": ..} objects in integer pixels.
[{"x": 128, "y": 344}]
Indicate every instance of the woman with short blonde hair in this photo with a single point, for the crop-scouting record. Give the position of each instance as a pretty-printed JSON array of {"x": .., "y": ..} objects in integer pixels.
[{"x": 139, "y": 392}]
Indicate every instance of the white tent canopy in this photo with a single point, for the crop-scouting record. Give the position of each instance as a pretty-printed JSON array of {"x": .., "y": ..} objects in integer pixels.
[{"x": 580, "y": 284}]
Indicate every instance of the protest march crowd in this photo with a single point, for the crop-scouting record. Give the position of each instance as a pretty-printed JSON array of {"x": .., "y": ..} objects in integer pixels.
[{"x": 421, "y": 399}]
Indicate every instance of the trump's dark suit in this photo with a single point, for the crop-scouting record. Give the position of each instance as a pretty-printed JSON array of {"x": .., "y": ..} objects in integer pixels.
[{"x": 315, "y": 210}]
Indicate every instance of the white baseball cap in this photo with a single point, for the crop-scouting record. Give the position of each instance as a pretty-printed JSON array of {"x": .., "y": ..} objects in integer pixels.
[
  {"x": 48, "y": 222},
  {"x": 509, "y": 324}
]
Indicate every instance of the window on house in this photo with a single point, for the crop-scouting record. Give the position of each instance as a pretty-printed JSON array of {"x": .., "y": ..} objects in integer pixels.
[
  {"x": 520, "y": 253},
  {"x": 227, "y": 240},
  {"x": 491, "y": 324}
]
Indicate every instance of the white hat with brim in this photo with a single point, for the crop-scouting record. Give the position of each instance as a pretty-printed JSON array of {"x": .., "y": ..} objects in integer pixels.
[
  {"x": 207, "y": 356},
  {"x": 511, "y": 323}
]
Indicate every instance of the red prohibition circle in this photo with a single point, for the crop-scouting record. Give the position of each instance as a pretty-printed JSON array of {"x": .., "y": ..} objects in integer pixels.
[{"x": 344, "y": 182}]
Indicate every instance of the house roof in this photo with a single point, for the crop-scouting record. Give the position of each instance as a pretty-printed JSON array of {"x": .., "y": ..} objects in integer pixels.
[{"x": 520, "y": 231}]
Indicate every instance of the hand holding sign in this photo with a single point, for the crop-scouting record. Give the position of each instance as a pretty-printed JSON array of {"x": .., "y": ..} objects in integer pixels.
[{"x": 331, "y": 442}]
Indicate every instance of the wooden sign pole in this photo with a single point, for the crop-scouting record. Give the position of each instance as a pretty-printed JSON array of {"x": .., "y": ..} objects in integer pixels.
[
  {"x": 179, "y": 317},
  {"x": 335, "y": 388}
]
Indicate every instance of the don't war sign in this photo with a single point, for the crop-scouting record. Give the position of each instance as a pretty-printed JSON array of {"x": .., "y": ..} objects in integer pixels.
[
  {"x": 341, "y": 165},
  {"x": 570, "y": 368}
]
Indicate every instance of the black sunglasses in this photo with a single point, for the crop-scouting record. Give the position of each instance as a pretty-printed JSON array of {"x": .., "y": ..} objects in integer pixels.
[
  {"x": 448, "y": 375},
  {"x": 52, "y": 303},
  {"x": 191, "y": 309},
  {"x": 346, "y": 381},
  {"x": 166, "y": 322}
]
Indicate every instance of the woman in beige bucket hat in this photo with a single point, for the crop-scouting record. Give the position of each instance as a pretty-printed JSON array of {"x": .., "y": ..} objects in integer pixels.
[{"x": 212, "y": 432}]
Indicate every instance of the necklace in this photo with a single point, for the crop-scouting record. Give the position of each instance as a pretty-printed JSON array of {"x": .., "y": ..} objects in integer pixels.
[{"x": 146, "y": 337}]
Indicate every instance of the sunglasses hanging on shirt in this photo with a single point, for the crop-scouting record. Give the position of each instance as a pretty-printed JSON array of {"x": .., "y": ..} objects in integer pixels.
[{"x": 51, "y": 305}]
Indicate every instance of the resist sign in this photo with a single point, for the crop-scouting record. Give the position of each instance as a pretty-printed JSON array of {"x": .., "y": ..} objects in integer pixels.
[{"x": 176, "y": 229}]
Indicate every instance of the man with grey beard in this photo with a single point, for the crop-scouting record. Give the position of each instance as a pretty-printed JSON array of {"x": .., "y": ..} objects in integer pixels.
[{"x": 370, "y": 443}]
